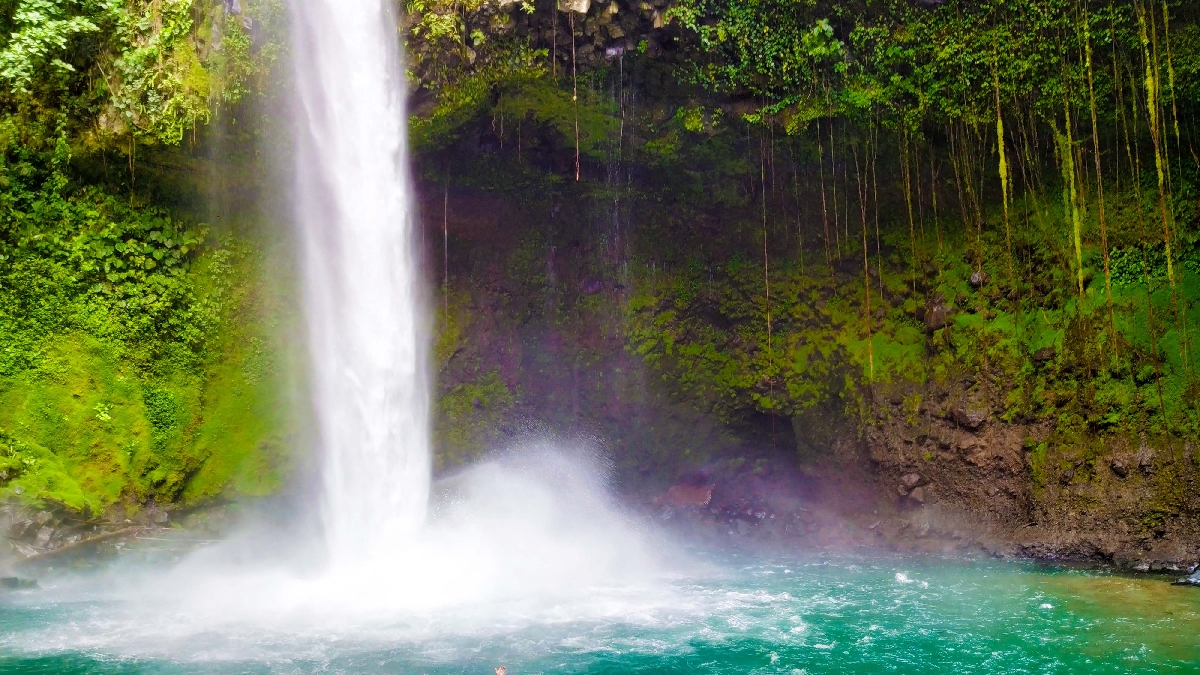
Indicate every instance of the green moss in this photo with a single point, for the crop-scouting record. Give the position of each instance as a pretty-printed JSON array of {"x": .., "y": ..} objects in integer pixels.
[
  {"x": 238, "y": 444},
  {"x": 469, "y": 417},
  {"x": 1037, "y": 464},
  {"x": 141, "y": 374}
]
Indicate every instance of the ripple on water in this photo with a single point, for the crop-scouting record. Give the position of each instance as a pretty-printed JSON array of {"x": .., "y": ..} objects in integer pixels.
[{"x": 855, "y": 616}]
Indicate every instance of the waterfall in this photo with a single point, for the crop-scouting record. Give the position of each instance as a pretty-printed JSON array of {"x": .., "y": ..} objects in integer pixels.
[{"x": 367, "y": 331}]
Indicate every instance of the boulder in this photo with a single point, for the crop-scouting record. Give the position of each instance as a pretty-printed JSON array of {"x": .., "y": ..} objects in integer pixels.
[
  {"x": 684, "y": 496},
  {"x": 577, "y": 6},
  {"x": 1043, "y": 355},
  {"x": 935, "y": 316},
  {"x": 978, "y": 278},
  {"x": 19, "y": 527},
  {"x": 1119, "y": 467},
  {"x": 969, "y": 419},
  {"x": 1192, "y": 579},
  {"x": 1145, "y": 460},
  {"x": 912, "y": 480},
  {"x": 43, "y": 537},
  {"x": 917, "y": 495}
]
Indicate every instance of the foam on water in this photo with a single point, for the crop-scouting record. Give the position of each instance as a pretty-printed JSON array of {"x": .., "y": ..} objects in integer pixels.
[
  {"x": 531, "y": 540},
  {"x": 829, "y": 615}
]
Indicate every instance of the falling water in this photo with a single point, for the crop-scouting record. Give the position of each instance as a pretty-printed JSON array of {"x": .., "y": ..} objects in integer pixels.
[
  {"x": 530, "y": 563},
  {"x": 367, "y": 331}
]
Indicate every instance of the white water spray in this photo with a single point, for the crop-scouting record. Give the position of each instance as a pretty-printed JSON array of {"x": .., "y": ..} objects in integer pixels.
[
  {"x": 532, "y": 539},
  {"x": 366, "y": 328}
]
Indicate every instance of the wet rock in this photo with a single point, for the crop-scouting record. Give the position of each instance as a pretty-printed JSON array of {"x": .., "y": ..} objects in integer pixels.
[
  {"x": 1119, "y": 467},
  {"x": 685, "y": 496},
  {"x": 1190, "y": 580},
  {"x": 591, "y": 286},
  {"x": 979, "y": 278},
  {"x": 918, "y": 496},
  {"x": 19, "y": 528},
  {"x": 935, "y": 316},
  {"x": 743, "y": 527},
  {"x": 17, "y": 584},
  {"x": 43, "y": 537},
  {"x": 969, "y": 419},
  {"x": 1067, "y": 476},
  {"x": 578, "y": 6},
  {"x": 1145, "y": 461}
]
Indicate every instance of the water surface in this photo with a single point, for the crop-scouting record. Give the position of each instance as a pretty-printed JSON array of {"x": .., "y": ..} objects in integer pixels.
[{"x": 815, "y": 615}]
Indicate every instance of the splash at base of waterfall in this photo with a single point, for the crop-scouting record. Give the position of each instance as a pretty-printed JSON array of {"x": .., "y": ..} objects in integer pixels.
[
  {"x": 526, "y": 540},
  {"x": 518, "y": 568}
]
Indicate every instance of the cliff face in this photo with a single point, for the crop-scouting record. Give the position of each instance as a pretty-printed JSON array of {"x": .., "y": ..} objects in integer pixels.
[
  {"x": 823, "y": 249},
  {"x": 546, "y": 336},
  {"x": 1026, "y": 490},
  {"x": 846, "y": 249}
]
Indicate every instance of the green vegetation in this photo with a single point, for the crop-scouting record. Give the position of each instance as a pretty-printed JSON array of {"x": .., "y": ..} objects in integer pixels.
[
  {"x": 836, "y": 200},
  {"x": 780, "y": 208},
  {"x": 469, "y": 418},
  {"x": 135, "y": 364},
  {"x": 131, "y": 368}
]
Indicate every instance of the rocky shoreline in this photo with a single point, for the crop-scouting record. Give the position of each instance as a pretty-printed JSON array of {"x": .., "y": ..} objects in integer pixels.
[
  {"x": 902, "y": 506},
  {"x": 35, "y": 539},
  {"x": 969, "y": 501}
]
